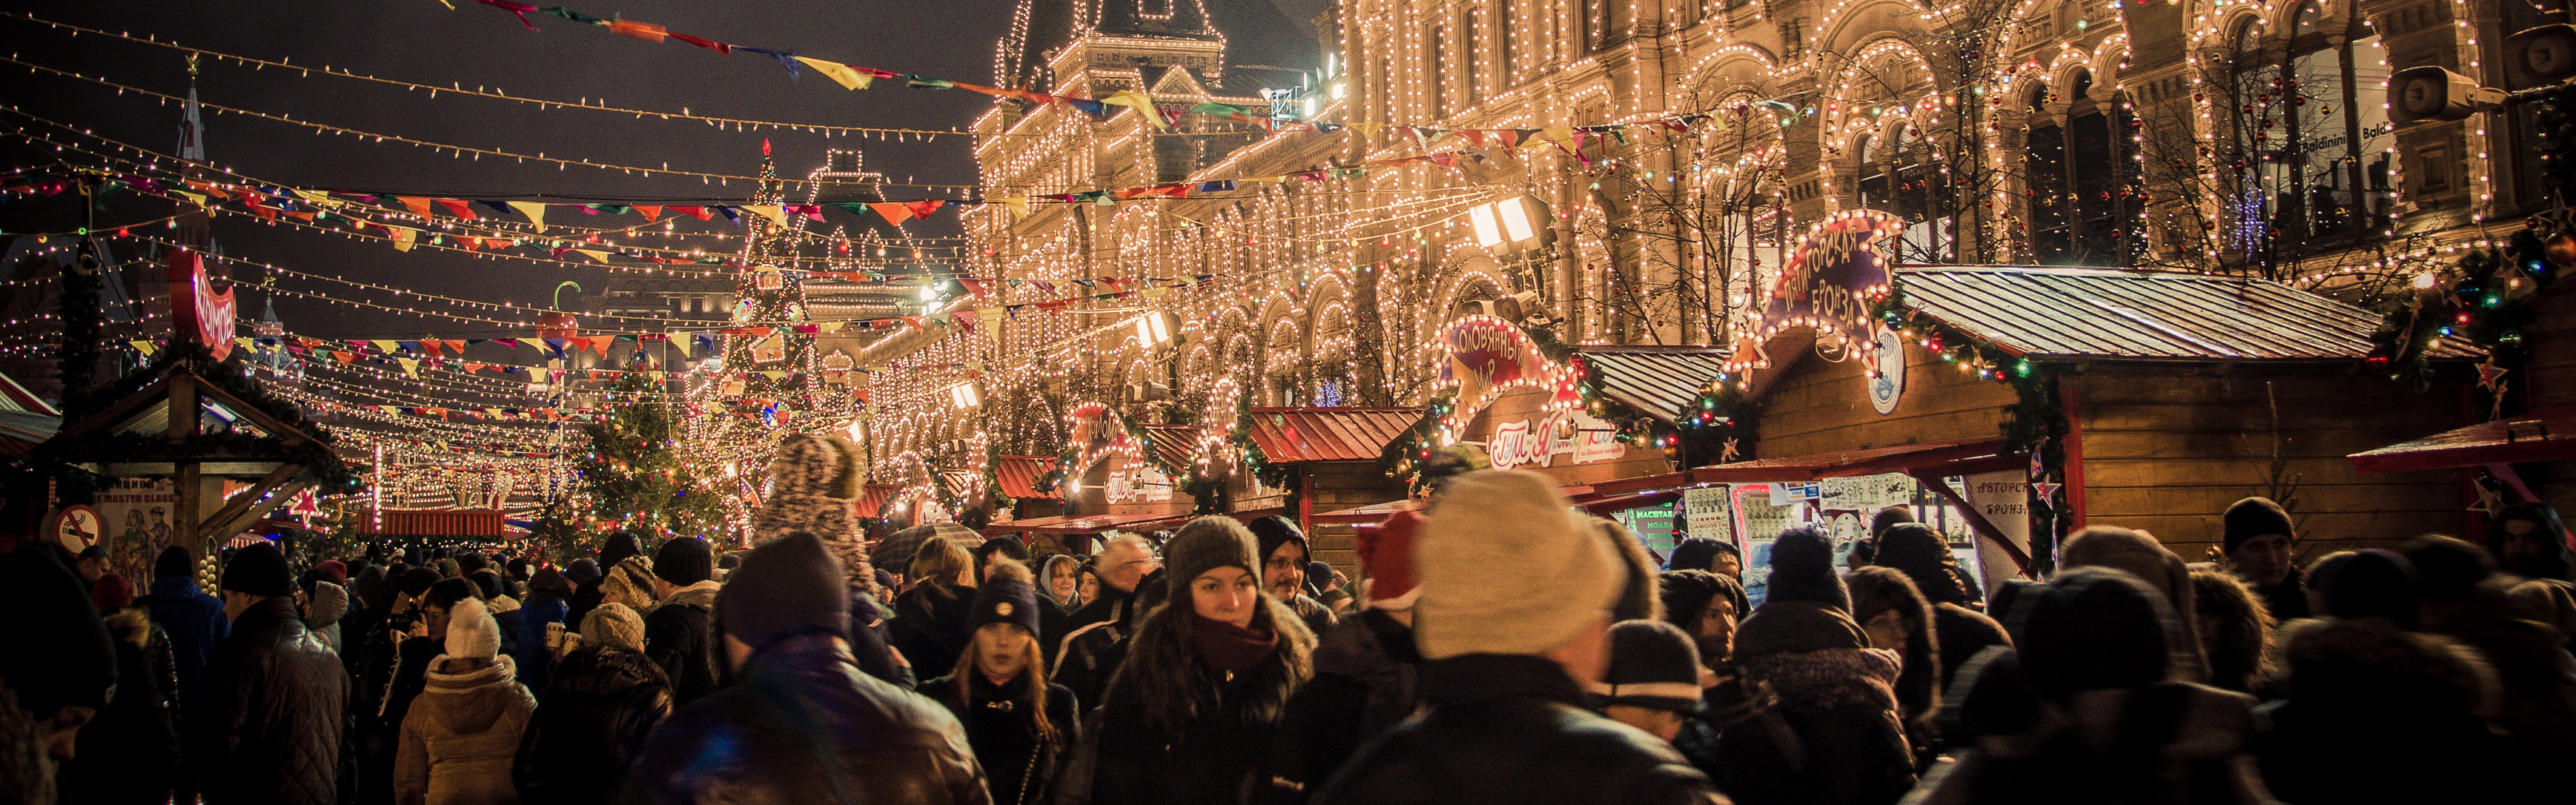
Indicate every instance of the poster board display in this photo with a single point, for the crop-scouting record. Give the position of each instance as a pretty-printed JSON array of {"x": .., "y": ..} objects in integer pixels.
[{"x": 2004, "y": 499}]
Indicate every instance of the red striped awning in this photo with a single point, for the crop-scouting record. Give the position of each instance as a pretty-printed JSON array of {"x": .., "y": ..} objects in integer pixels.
[
  {"x": 873, "y": 497},
  {"x": 433, "y": 523},
  {"x": 1019, "y": 476},
  {"x": 1291, "y": 435}
]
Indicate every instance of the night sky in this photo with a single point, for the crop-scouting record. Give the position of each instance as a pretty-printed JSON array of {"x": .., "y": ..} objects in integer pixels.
[{"x": 421, "y": 41}]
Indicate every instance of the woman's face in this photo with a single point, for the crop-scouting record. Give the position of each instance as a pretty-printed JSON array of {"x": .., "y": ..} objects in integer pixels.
[
  {"x": 1284, "y": 571},
  {"x": 1061, "y": 582},
  {"x": 1090, "y": 586},
  {"x": 1225, "y": 594},
  {"x": 1727, "y": 565},
  {"x": 1887, "y": 630},
  {"x": 1001, "y": 651}
]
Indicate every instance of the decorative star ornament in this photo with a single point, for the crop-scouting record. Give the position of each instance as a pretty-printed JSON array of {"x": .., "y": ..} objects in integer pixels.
[{"x": 2045, "y": 492}]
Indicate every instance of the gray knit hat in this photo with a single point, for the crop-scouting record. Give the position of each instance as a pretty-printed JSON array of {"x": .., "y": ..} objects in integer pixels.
[{"x": 1208, "y": 543}]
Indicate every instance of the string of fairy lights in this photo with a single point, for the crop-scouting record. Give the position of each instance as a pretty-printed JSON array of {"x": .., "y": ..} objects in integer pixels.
[{"x": 1299, "y": 292}]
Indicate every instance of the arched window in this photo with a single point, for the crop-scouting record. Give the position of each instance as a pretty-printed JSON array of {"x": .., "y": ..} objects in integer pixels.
[
  {"x": 2312, "y": 127},
  {"x": 2084, "y": 180},
  {"x": 2044, "y": 180}
]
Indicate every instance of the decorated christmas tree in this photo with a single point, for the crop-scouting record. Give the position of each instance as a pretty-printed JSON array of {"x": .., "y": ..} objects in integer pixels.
[
  {"x": 634, "y": 474},
  {"x": 770, "y": 368}
]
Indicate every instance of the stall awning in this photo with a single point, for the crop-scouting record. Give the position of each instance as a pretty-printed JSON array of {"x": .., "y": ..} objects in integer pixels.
[
  {"x": 2548, "y": 435},
  {"x": 1174, "y": 445},
  {"x": 1019, "y": 476},
  {"x": 1292, "y": 435},
  {"x": 2138, "y": 315},
  {"x": 1935, "y": 459},
  {"x": 433, "y": 523},
  {"x": 1658, "y": 380},
  {"x": 1362, "y": 514},
  {"x": 1088, "y": 524},
  {"x": 873, "y": 497}
]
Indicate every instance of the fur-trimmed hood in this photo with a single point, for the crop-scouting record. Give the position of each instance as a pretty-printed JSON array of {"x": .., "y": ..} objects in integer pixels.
[
  {"x": 1811, "y": 683},
  {"x": 1180, "y": 689}
]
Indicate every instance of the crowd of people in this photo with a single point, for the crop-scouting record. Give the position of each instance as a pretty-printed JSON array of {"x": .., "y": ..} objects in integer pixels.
[{"x": 1500, "y": 647}]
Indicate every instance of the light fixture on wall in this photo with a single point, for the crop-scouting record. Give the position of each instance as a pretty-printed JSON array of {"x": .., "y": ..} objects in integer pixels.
[{"x": 1502, "y": 222}]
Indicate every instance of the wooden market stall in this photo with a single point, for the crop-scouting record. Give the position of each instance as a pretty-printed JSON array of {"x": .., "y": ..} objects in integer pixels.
[
  {"x": 1331, "y": 457},
  {"x": 1018, "y": 477},
  {"x": 2152, "y": 400}
]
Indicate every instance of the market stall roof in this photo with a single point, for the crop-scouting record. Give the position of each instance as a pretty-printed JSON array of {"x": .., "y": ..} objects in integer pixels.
[
  {"x": 2134, "y": 315},
  {"x": 873, "y": 497},
  {"x": 1292, "y": 435},
  {"x": 25, "y": 419},
  {"x": 1659, "y": 380},
  {"x": 1019, "y": 476},
  {"x": 2547, "y": 435},
  {"x": 1087, "y": 523},
  {"x": 433, "y": 523},
  {"x": 1174, "y": 445}
]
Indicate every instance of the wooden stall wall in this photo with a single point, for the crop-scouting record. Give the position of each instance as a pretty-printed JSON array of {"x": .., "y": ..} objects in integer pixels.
[
  {"x": 1336, "y": 485},
  {"x": 2167, "y": 448},
  {"x": 1525, "y": 410},
  {"x": 2550, "y": 378},
  {"x": 1821, "y": 406}
]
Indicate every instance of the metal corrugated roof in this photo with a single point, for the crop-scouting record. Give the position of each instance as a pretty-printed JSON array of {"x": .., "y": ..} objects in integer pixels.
[
  {"x": 1175, "y": 445},
  {"x": 1655, "y": 379},
  {"x": 1019, "y": 476},
  {"x": 2100, "y": 313},
  {"x": 1328, "y": 434}
]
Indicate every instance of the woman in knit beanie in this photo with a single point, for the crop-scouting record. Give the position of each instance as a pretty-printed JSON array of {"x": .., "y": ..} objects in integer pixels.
[
  {"x": 600, "y": 703},
  {"x": 1018, "y": 722},
  {"x": 1190, "y": 714},
  {"x": 1923, "y": 555},
  {"x": 1897, "y": 618}
]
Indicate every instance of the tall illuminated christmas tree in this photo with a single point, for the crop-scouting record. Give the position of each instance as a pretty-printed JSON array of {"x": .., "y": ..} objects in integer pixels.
[{"x": 771, "y": 375}]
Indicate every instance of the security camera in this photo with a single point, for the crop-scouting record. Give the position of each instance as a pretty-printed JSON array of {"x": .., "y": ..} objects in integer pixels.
[
  {"x": 2432, "y": 93},
  {"x": 2540, "y": 56}
]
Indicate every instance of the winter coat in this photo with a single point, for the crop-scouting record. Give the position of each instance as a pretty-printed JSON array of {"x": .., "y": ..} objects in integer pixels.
[
  {"x": 1111, "y": 606},
  {"x": 266, "y": 728},
  {"x": 195, "y": 622},
  {"x": 680, "y": 636},
  {"x": 591, "y": 723},
  {"x": 1367, "y": 680},
  {"x": 804, "y": 726},
  {"x": 1837, "y": 738},
  {"x": 1092, "y": 652},
  {"x": 323, "y": 611},
  {"x": 2287, "y": 600},
  {"x": 505, "y": 613},
  {"x": 1317, "y": 617},
  {"x": 1214, "y": 757},
  {"x": 1019, "y": 767},
  {"x": 535, "y": 660},
  {"x": 868, "y": 635},
  {"x": 930, "y": 626},
  {"x": 128, "y": 750},
  {"x": 2383, "y": 715},
  {"x": 1961, "y": 633},
  {"x": 1510, "y": 729},
  {"x": 2170, "y": 742},
  {"x": 461, "y": 736}
]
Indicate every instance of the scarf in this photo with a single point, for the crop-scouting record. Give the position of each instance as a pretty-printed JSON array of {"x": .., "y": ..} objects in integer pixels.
[{"x": 1227, "y": 647}]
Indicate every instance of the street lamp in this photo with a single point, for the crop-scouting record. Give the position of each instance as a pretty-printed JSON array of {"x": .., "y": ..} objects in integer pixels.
[
  {"x": 1152, "y": 329},
  {"x": 966, "y": 395},
  {"x": 2536, "y": 61}
]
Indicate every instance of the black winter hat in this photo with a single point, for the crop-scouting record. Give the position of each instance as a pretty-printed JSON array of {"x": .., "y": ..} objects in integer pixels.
[
  {"x": 174, "y": 561},
  {"x": 259, "y": 570},
  {"x": 489, "y": 583},
  {"x": 1652, "y": 664},
  {"x": 59, "y": 652},
  {"x": 685, "y": 561},
  {"x": 1698, "y": 553},
  {"x": 2450, "y": 567},
  {"x": 1887, "y": 518},
  {"x": 1268, "y": 533},
  {"x": 1006, "y": 597},
  {"x": 2092, "y": 628},
  {"x": 1688, "y": 593},
  {"x": 788, "y": 587},
  {"x": 416, "y": 581},
  {"x": 1802, "y": 569},
  {"x": 582, "y": 571},
  {"x": 2372, "y": 583},
  {"x": 2254, "y": 517},
  {"x": 1208, "y": 543},
  {"x": 621, "y": 546}
]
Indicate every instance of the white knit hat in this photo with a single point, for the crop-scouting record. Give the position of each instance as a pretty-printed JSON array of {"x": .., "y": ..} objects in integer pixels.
[
  {"x": 1505, "y": 567},
  {"x": 471, "y": 632}
]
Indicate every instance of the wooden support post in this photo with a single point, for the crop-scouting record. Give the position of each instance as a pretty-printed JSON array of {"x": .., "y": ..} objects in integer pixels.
[
  {"x": 1977, "y": 521},
  {"x": 188, "y": 504}
]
